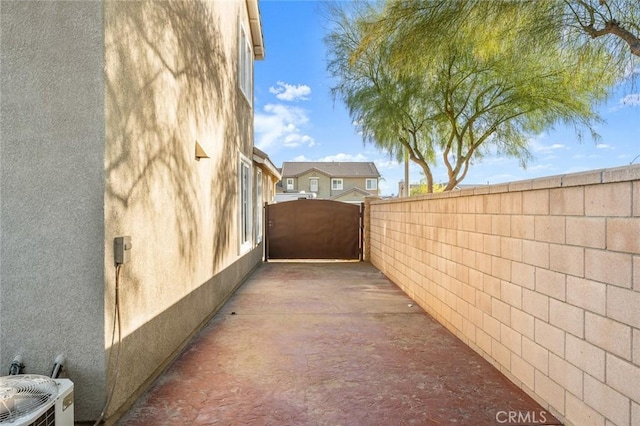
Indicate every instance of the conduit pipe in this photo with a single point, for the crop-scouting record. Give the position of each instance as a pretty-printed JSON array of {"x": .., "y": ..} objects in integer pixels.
[
  {"x": 17, "y": 367},
  {"x": 58, "y": 365}
]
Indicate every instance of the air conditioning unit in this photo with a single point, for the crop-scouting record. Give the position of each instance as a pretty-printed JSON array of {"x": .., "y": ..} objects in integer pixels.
[{"x": 34, "y": 400}]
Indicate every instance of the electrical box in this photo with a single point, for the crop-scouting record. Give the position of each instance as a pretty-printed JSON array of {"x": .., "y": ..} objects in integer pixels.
[{"x": 122, "y": 249}]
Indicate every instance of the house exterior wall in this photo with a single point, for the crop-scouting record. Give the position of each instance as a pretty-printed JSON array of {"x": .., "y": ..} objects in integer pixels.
[
  {"x": 302, "y": 183},
  {"x": 542, "y": 278},
  {"x": 102, "y": 105},
  {"x": 51, "y": 196},
  {"x": 171, "y": 80}
]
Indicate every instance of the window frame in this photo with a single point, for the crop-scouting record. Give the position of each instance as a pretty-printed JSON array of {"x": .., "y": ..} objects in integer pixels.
[
  {"x": 258, "y": 207},
  {"x": 245, "y": 64},
  {"x": 375, "y": 184},
  {"x": 317, "y": 184},
  {"x": 337, "y": 184},
  {"x": 245, "y": 212}
]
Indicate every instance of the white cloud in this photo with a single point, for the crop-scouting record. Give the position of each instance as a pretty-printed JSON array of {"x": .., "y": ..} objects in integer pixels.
[
  {"x": 631, "y": 100},
  {"x": 539, "y": 167},
  {"x": 604, "y": 146},
  {"x": 344, "y": 157},
  {"x": 289, "y": 92},
  {"x": 539, "y": 148},
  {"x": 387, "y": 164},
  {"x": 576, "y": 169},
  {"x": 279, "y": 124}
]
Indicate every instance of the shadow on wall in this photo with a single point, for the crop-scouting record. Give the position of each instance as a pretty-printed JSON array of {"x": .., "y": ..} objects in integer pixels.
[{"x": 166, "y": 78}]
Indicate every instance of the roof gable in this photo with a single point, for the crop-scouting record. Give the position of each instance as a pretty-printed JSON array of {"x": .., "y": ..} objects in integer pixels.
[
  {"x": 332, "y": 169},
  {"x": 351, "y": 190}
]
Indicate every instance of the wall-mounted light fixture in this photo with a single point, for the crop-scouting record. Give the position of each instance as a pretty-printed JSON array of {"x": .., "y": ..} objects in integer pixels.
[{"x": 200, "y": 152}]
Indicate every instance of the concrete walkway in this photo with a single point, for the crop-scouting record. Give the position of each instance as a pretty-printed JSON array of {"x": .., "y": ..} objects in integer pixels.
[{"x": 329, "y": 344}]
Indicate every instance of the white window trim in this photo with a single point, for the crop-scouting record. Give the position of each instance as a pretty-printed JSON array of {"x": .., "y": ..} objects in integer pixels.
[
  {"x": 259, "y": 202},
  {"x": 311, "y": 182},
  {"x": 245, "y": 64},
  {"x": 245, "y": 230},
  {"x": 337, "y": 184},
  {"x": 373, "y": 187},
  {"x": 290, "y": 184}
]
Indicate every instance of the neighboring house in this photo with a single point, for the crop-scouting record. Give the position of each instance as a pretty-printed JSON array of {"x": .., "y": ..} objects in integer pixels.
[
  {"x": 341, "y": 181},
  {"x": 267, "y": 176},
  {"x": 124, "y": 119}
]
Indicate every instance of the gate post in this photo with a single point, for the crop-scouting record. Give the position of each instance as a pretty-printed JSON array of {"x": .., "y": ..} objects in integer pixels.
[
  {"x": 366, "y": 236},
  {"x": 265, "y": 233}
]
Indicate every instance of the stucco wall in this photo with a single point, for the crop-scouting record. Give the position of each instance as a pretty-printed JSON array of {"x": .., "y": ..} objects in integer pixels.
[
  {"x": 171, "y": 80},
  {"x": 51, "y": 194},
  {"x": 540, "y": 277}
]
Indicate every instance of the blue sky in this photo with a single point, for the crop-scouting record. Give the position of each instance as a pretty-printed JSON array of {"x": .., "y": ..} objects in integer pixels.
[{"x": 296, "y": 118}]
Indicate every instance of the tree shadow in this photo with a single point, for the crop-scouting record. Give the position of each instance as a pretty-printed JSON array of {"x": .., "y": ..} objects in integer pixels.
[{"x": 167, "y": 84}]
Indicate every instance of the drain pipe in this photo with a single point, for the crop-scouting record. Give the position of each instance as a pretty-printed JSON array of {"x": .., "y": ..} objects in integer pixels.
[
  {"x": 58, "y": 365},
  {"x": 17, "y": 367}
]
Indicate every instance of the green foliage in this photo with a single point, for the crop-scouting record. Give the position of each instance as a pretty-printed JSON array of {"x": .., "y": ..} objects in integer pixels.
[
  {"x": 464, "y": 78},
  {"x": 422, "y": 188}
]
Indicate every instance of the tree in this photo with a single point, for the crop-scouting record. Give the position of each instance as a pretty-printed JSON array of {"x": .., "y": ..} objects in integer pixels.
[
  {"x": 387, "y": 108},
  {"x": 478, "y": 77},
  {"x": 619, "y": 18},
  {"x": 422, "y": 188}
]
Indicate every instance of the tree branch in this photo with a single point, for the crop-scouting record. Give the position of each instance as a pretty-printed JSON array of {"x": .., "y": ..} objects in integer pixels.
[{"x": 614, "y": 27}]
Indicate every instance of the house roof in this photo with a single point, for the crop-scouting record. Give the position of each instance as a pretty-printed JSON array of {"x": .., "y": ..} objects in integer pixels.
[
  {"x": 256, "y": 28},
  {"x": 352, "y": 190},
  {"x": 261, "y": 157},
  {"x": 332, "y": 169}
]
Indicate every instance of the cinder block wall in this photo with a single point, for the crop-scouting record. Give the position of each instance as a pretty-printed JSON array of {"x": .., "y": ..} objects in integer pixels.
[{"x": 540, "y": 277}]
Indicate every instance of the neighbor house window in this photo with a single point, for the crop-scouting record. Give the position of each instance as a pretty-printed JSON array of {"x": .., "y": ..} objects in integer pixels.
[
  {"x": 313, "y": 185},
  {"x": 258, "y": 205},
  {"x": 372, "y": 184},
  {"x": 245, "y": 65},
  {"x": 244, "y": 199},
  {"x": 336, "y": 184},
  {"x": 289, "y": 184}
]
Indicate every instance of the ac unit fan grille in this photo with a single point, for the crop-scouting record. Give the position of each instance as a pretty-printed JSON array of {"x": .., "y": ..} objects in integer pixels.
[
  {"x": 23, "y": 394},
  {"x": 47, "y": 418}
]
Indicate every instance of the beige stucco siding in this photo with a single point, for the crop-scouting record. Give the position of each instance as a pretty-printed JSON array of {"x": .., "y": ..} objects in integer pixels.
[
  {"x": 324, "y": 185},
  {"x": 51, "y": 196},
  {"x": 303, "y": 183},
  {"x": 171, "y": 80},
  {"x": 102, "y": 106}
]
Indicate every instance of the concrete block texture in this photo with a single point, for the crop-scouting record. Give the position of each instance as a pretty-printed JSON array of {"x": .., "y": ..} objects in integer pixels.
[
  {"x": 608, "y": 200},
  {"x": 612, "y": 336},
  {"x": 558, "y": 287},
  {"x": 609, "y": 402},
  {"x": 623, "y": 377},
  {"x": 619, "y": 232},
  {"x": 579, "y": 413},
  {"x": 586, "y": 232},
  {"x": 566, "y": 374},
  {"x": 608, "y": 267}
]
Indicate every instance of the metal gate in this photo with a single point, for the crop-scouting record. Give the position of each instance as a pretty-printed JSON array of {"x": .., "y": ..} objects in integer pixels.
[{"x": 314, "y": 229}]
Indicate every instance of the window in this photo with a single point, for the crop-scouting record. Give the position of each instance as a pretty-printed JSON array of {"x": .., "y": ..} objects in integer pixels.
[
  {"x": 372, "y": 184},
  {"x": 336, "y": 184},
  {"x": 289, "y": 184},
  {"x": 313, "y": 185},
  {"x": 245, "y": 65},
  {"x": 244, "y": 199},
  {"x": 259, "y": 203}
]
